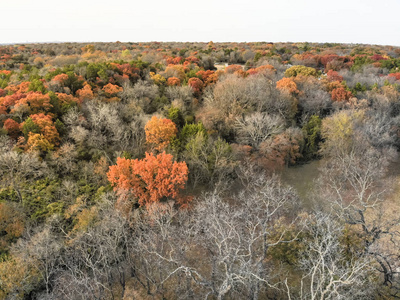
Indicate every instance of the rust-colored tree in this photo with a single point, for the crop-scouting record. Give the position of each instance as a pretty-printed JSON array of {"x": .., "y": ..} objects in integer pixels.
[
  {"x": 150, "y": 180},
  {"x": 33, "y": 103},
  {"x": 334, "y": 76},
  {"x": 173, "y": 81},
  {"x": 41, "y": 132},
  {"x": 111, "y": 91},
  {"x": 159, "y": 132},
  {"x": 196, "y": 84},
  {"x": 208, "y": 77},
  {"x": 232, "y": 69},
  {"x": 85, "y": 93},
  {"x": 66, "y": 99},
  {"x": 61, "y": 78},
  {"x": 287, "y": 85},
  {"x": 341, "y": 94},
  {"x": 12, "y": 127},
  {"x": 396, "y": 76}
]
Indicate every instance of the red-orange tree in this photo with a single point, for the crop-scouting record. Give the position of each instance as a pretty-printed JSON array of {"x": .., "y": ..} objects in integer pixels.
[
  {"x": 12, "y": 127},
  {"x": 159, "y": 132},
  {"x": 196, "y": 84},
  {"x": 341, "y": 94},
  {"x": 34, "y": 102},
  {"x": 150, "y": 180}
]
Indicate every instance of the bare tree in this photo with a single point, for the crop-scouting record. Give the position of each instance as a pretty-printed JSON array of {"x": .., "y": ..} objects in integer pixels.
[
  {"x": 96, "y": 265},
  {"x": 18, "y": 168},
  {"x": 258, "y": 127},
  {"x": 219, "y": 248},
  {"x": 330, "y": 272},
  {"x": 355, "y": 186}
]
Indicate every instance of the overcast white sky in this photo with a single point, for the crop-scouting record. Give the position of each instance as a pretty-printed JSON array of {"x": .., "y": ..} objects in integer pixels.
[{"x": 351, "y": 21}]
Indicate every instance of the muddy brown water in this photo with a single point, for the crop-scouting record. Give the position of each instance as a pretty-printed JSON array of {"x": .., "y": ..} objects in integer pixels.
[{"x": 301, "y": 178}]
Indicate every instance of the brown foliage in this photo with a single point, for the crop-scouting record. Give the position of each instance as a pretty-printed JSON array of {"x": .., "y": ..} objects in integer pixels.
[
  {"x": 341, "y": 94},
  {"x": 11, "y": 225}
]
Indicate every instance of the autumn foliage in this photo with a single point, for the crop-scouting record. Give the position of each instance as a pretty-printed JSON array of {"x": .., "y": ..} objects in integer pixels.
[
  {"x": 85, "y": 93},
  {"x": 334, "y": 76},
  {"x": 159, "y": 132},
  {"x": 287, "y": 85},
  {"x": 11, "y": 224},
  {"x": 12, "y": 127},
  {"x": 396, "y": 76},
  {"x": 34, "y": 102},
  {"x": 173, "y": 81},
  {"x": 196, "y": 84},
  {"x": 44, "y": 135},
  {"x": 341, "y": 94},
  {"x": 111, "y": 89},
  {"x": 232, "y": 69},
  {"x": 150, "y": 180}
]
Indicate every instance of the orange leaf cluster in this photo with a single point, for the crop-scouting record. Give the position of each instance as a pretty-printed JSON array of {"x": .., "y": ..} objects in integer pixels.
[
  {"x": 23, "y": 87},
  {"x": 196, "y": 84},
  {"x": 151, "y": 179},
  {"x": 47, "y": 127},
  {"x": 61, "y": 78},
  {"x": 261, "y": 69},
  {"x": 192, "y": 59},
  {"x": 12, "y": 127},
  {"x": 67, "y": 99},
  {"x": 208, "y": 76},
  {"x": 173, "y": 81},
  {"x": 334, "y": 76},
  {"x": 5, "y": 72},
  {"x": 287, "y": 85},
  {"x": 341, "y": 94},
  {"x": 34, "y": 102},
  {"x": 111, "y": 89},
  {"x": 174, "y": 60},
  {"x": 395, "y": 75},
  {"x": 85, "y": 93},
  {"x": 159, "y": 132},
  {"x": 10, "y": 100},
  {"x": 232, "y": 69}
]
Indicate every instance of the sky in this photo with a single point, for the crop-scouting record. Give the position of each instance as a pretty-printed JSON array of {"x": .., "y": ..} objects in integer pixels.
[{"x": 351, "y": 21}]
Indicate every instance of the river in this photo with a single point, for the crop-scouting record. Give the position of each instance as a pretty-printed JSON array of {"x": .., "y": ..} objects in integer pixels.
[{"x": 301, "y": 178}]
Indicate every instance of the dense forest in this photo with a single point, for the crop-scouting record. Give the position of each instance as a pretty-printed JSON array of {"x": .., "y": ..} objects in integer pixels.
[{"x": 154, "y": 171}]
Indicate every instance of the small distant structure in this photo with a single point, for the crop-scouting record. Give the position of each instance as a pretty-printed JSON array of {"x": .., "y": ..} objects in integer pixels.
[{"x": 223, "y": 65}]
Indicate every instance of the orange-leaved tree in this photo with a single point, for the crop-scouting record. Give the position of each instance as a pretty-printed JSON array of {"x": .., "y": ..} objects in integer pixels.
[
  {"x": 341, "y": 94},
  {"x": 196, "y": 84},
  {"x": 150, "y": 180},
  {"x": 159, "y": 132},
  {"x": 287, "y": 85},
  {"x": 111, "y": 91},
  {"x": 173, "y": 81},
  {"x": 40, "y": 132},
  {"x": 33, "y": 103},
  {"x": 85, "y": 93},
  {"x": 12, "y": 127}
]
